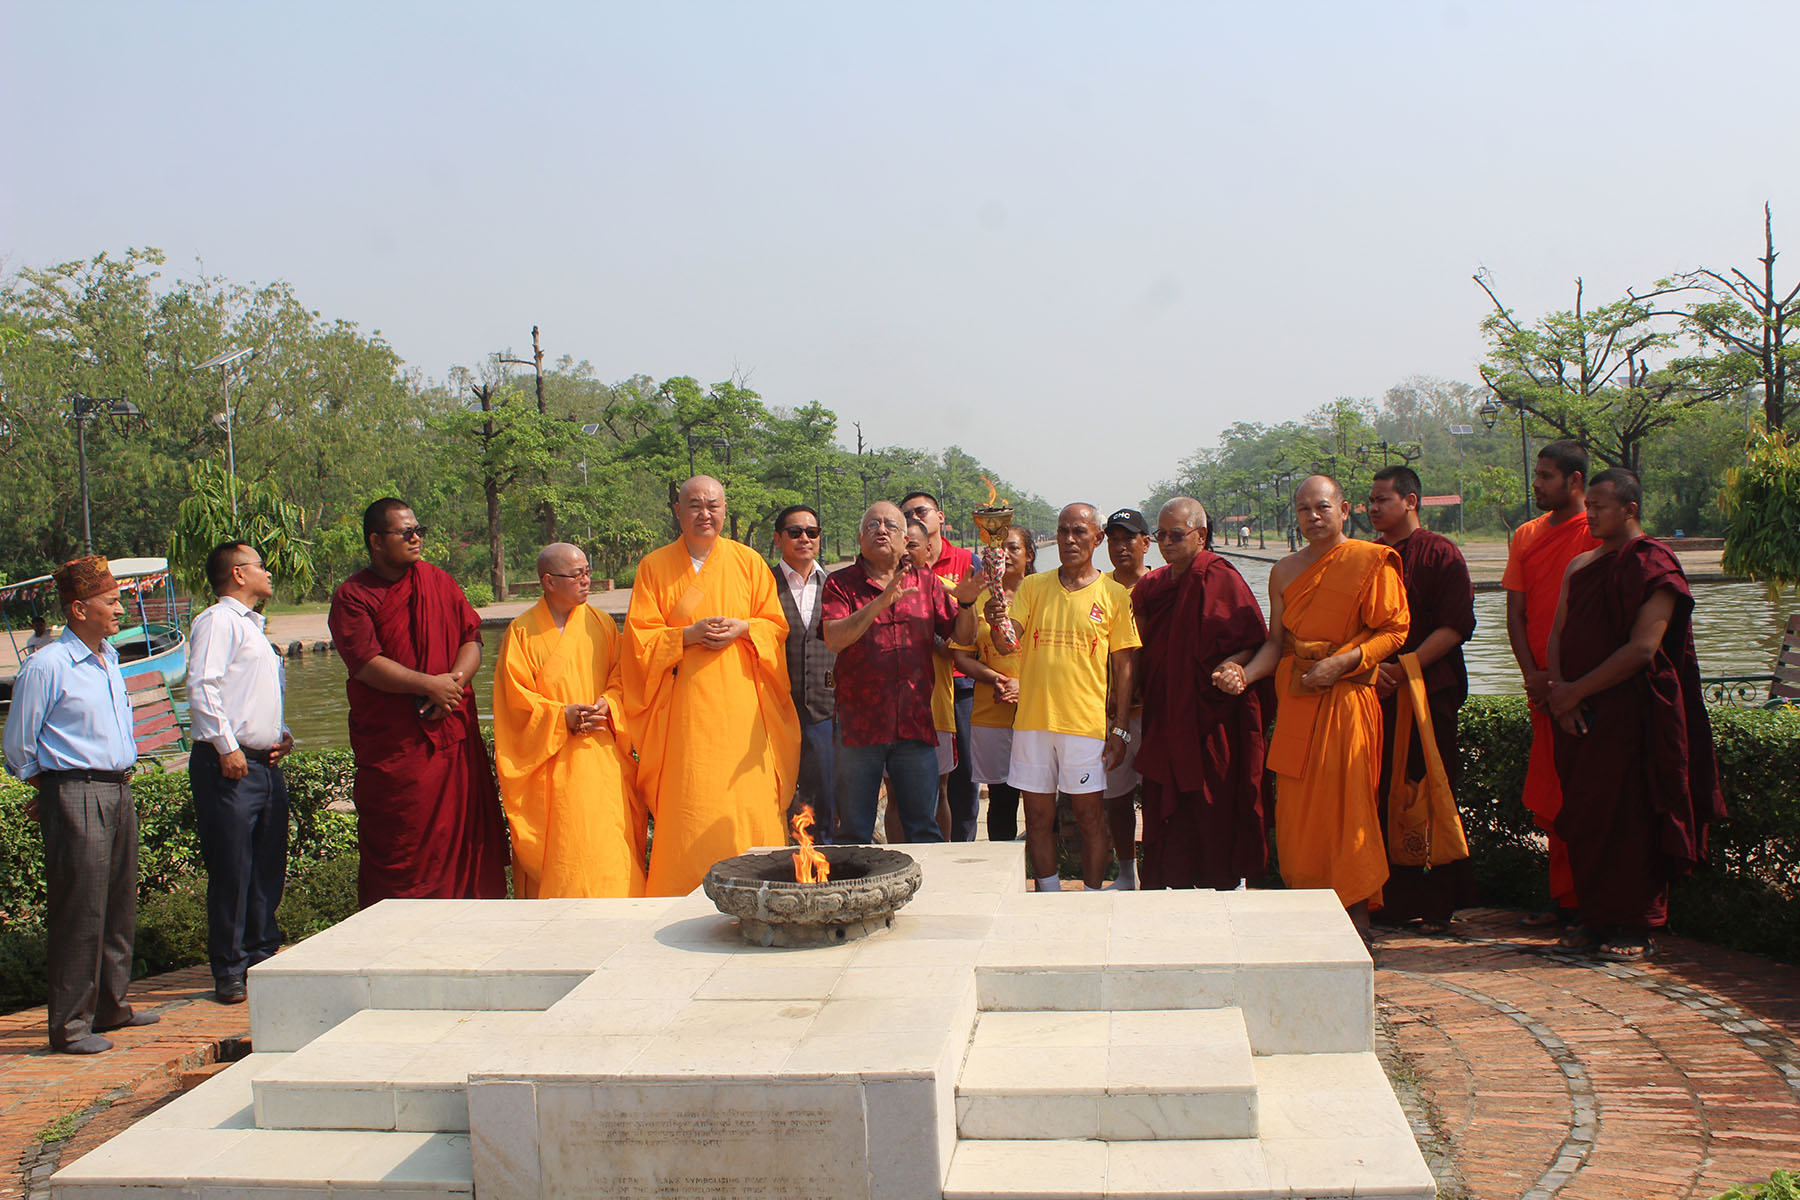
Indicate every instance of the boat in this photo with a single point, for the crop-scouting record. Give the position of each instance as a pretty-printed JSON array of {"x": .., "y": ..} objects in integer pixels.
[{"x": 151, "y": 639}]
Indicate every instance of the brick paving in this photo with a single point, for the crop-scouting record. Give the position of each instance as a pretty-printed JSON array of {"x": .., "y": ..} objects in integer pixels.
[{"x": 1528, "y": 1073}]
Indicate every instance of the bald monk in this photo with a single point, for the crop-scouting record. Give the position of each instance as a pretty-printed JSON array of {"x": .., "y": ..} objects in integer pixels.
[
  {"x": 706, "y": 696},
  {"x": 1540, "y": 553},
  {"x": 566, "y": 775},
  {"x": 1337, "y": 608},
  {"x": 1634, "y": 746},
  {"x": 1201, "y": 751}
]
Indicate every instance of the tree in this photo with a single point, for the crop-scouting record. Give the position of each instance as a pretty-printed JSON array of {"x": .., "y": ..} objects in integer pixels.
[
  {"x": 1748, "y": 323},
  {"x": 264, "y": 519},
  {"x": 1586, "y": 373},
  {"x": 1761, "y": 503}
]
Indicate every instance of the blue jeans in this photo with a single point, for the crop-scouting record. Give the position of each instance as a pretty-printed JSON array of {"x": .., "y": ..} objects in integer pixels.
[
  {"x": 817, "y": 770},
  {"x": 911, "y": 768}
]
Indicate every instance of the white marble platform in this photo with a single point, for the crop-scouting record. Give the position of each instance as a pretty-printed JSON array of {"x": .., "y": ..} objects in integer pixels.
[{"x": 640, "y": 1048}]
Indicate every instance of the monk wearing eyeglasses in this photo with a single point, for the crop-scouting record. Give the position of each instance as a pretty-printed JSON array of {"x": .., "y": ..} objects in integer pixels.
[
  {"x": 560, "y": 744},
  {"x": 1337, "y": 610},
  {"x": 428, "y": 818},
  {"x": 706, "y": 696}
]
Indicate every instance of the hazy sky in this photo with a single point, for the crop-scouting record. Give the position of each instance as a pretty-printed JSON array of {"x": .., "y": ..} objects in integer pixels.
[{"x": 1076, "y": 240}]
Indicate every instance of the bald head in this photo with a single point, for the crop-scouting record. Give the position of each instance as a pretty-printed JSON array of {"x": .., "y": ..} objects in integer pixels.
[
  {"x": 880, "y": 535},
  {"x": 1077, "y": 534},
  {"x": 1329, "y": 485},
  {"x": 563, "y": 557},
  {"x": 700, "y": 509},
  {"x": 1183, "y": 512},
  {"x": 1320, "y": 510},
  {"x": 1080, "y": 511}
]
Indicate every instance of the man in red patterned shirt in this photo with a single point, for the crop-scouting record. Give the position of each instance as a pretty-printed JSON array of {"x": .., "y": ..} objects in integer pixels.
[{"x": 882, "y": 618}]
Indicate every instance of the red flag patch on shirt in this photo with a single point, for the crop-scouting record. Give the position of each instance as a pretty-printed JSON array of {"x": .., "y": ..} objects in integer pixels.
[{"x": 1097, "y": 614}]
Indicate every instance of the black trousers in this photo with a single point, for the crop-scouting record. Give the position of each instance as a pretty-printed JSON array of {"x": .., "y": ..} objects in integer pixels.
[
  {"x": 965, "y": 795},
  {"x": 243, "y": 841},
  {"x": 91, "y": 872}
]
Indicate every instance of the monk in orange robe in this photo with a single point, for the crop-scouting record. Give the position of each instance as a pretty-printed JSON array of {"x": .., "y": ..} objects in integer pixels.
[
  {"x": 1540, "y": 553},
  {"x": 1337, "y": 608},
  {"x": 706, "y": 696},
  {"x": 560, "y": 747}
]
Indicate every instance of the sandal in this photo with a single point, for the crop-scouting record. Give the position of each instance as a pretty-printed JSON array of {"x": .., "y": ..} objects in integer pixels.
[
  {"x": 1627, "y": 948},
  {"x": 1580, "y": 937},
  {"x": 1554, "y": 915}
]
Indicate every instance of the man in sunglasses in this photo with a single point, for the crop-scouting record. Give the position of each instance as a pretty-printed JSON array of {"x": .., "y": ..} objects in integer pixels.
[
  {"x": 1201, "y": 754},
  {"x": 809, "y": 660},
  {"x": 428, "y": 816}
]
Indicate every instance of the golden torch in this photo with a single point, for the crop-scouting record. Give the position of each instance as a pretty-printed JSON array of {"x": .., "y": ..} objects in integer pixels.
[{"x": 992, "y": 520}]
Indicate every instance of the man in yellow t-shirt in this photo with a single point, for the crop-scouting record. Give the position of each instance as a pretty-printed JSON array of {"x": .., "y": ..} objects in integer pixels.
[{"x": 1074, "y": 629}]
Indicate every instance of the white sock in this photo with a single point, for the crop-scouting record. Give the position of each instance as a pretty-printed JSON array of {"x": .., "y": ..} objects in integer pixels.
[
  {"x": 1050, "y": 883},
  {"x": 1128, "y": 880}
]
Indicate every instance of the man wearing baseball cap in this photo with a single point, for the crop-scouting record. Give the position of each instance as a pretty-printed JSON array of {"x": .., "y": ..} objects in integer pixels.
[
  {"x": 69, "y": 735},
  {"x": 1127, "y": 542}
]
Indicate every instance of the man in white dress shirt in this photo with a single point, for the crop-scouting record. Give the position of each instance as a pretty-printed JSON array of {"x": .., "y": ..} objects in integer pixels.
[
  {"x": 798, "y": 537},
  {"x": 240, "y": 797}
]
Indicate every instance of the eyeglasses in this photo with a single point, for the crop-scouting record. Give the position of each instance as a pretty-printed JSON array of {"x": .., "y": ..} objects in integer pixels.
[
  {"x": 259, "y": 564},
  {"x": 409, "y": 533},
  {"x": 584, "y": 573},
  {"x": 874, "y": 523},
  {"x": 918, "y": 510},
  {"x": 802, "y": 531},
  {"x": 1173, "y": 535}
]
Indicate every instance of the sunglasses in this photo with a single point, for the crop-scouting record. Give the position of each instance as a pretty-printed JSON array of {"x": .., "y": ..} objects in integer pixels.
[
  {"x": 409, "y": 533},
  {"x": 917, "y": 510},
  {"x": 802, "y": 531},
  {"x": 1173, "y": 535}
]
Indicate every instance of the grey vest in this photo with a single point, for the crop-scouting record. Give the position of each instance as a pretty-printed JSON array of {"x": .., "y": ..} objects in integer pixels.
[{"x": 809, "y": 662}]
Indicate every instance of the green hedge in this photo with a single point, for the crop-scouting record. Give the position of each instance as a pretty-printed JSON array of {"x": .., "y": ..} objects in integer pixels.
[
  {"x": 1746, "y": 896},
  {"x": 321, "y": 888}
]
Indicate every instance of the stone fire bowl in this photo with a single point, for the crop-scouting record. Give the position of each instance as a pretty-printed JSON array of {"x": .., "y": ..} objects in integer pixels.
[{"x": 868, "y": 885}]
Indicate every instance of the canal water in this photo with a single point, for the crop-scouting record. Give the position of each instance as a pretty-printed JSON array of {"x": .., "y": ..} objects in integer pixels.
[{"x": 1737, "y": 631}]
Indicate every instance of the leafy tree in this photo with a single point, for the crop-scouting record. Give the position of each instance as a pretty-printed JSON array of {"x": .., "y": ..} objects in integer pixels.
[
  {"x": 264, "y": 519},
  {"x": 1586, "y": 373},
  {"x": 1761, "y": 503}
]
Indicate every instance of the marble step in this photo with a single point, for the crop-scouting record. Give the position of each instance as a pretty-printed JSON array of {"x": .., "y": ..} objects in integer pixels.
[
  {"x": 382, "y": 1069},
  {"x": 204, "y": 1145},
  {"x": 1119, "y": 1076},
  {"x": 1330, "y": 1127}
]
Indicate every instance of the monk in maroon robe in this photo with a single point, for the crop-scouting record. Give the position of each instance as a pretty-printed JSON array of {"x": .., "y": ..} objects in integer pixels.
[
  {"x": 1441, "y": 598},
  {"x": 1634, "y": 745},
  {"x": 429, "y": 822},
  {"x": 1201, "y": 752}
]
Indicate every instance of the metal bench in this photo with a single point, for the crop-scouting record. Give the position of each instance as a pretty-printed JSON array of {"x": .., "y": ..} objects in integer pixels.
[{"x": 1778, "y": 689}]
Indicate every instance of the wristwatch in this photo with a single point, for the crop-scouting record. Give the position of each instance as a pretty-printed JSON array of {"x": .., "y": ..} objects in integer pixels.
[{"x": 1124, "y": 735}]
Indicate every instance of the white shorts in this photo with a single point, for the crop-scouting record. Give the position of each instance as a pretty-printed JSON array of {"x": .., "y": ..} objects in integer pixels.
[
  {"x": 1122, "y": 780},
  {"x": 990, "y": 752},
  {"x": 946, "y": 749},
  {"x": 1046, "y": 762}
]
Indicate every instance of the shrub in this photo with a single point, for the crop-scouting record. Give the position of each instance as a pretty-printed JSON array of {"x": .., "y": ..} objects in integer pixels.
[
  {"x": 480, "y": 594},
  {"x": 1781, "y": 1186}
]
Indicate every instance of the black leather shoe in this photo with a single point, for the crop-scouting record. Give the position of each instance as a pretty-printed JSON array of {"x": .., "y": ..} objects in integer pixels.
[{"x": 231, "y": 992}]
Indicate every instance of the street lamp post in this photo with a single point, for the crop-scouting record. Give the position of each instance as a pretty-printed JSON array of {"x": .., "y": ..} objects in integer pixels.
[
  {"x": 1457, "y": 434},
  {"x": 223, "y": 361},
  {"x": 1490, "y": 413},
  {"x": 82, "y": 410}
]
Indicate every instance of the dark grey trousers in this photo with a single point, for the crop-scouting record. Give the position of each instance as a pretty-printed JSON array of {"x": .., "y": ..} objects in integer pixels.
[{"x": 91, "y": 869}]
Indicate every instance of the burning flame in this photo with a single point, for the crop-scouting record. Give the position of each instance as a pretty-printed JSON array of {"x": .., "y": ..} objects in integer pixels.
[
  {"x": 810, "y": 866},
  {"x": 993, "y": 500}
]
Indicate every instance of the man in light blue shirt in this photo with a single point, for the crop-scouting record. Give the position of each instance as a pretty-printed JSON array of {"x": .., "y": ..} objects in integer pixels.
[{"x": 69, "y": 735}]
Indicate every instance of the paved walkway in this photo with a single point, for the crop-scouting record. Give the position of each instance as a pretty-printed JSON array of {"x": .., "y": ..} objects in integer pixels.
[{"x": 1529, "y": 1073}]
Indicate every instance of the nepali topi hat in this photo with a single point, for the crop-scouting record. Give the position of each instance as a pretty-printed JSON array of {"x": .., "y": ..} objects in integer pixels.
[{"x": 84, "y": 578}]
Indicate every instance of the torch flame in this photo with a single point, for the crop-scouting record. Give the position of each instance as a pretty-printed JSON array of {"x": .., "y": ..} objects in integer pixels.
[
  {"x": 993, "y": 496},
  {"x": 809, "y": 865}
]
